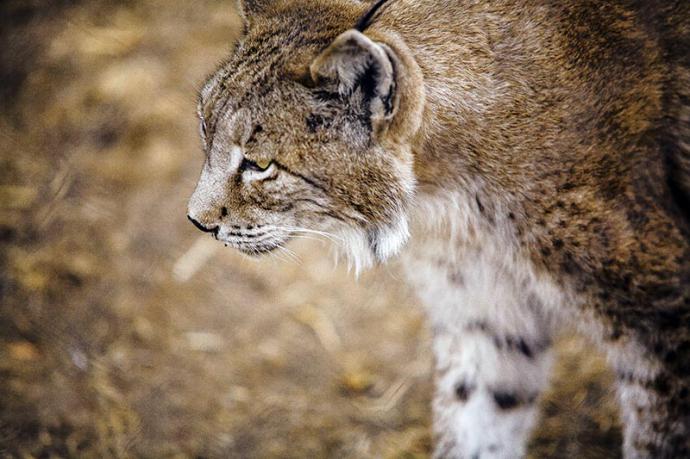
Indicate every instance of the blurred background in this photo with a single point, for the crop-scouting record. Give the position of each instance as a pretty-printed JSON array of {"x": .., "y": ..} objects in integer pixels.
[{"x": 124, "y": 332}]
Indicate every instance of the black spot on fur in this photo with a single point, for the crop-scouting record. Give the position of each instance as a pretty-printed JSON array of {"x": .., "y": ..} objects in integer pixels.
[
  {"x": 456, "y": 278},
  {"x": 662, "y": 386},
  {"x": 479, "y": 204},
  {"x": 671, "y": 357},
  {"x": 316, "y": 122},
  {"x": 522, "y": 346},
  {"x": 463, "y": 391},
  {"x": 506, "y": 400},
  {"x": 568, "y": 264},
  {"x": 478, "y": 325},
  {"x": 510, "y": 343},
  {"x": 615, "y": 334}
]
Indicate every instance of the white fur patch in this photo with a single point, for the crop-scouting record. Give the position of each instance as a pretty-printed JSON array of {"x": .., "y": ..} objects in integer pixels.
[
  {"x": 469, "y": 272},
  {"x": 354, "y": 245},
  {"x": 363, "y": 249},
  {"x": 390, "y": 239},
  {"x": 236, "y": 157},
  {"x": 477, "y": 426}
]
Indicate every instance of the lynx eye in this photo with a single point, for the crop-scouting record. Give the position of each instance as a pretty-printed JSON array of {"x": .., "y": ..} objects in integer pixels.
[
  {"x": 263, "y": 164},
  {"x": 259, "y": 165}
]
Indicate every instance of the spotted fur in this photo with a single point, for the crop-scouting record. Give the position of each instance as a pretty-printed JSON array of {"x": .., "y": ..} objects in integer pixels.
[{"x": 530, "y": 160}]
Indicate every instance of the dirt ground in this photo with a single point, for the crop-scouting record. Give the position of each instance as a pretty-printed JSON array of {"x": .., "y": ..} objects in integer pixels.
[{"x": 124, "y": 332}]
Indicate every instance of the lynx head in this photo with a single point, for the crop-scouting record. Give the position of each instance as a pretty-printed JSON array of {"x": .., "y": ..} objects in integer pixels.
[{"x": 306, "y": 128}]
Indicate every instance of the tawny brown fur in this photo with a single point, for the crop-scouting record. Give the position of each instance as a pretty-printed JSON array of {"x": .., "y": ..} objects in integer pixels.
[{"x": 569, "y": 121}]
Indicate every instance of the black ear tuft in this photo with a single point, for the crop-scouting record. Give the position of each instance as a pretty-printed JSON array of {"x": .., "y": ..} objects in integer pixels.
[{"x": 366, "y": 20}]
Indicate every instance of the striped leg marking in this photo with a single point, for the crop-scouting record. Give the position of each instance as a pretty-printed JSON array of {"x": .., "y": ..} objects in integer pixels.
[{"x": 487, "y": 386}]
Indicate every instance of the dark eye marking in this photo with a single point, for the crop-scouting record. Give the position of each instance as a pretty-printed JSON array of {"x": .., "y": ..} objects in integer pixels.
[
  {"x": 258, "y": 129},
  {"x": 205, "y": 139},
  {"x": 311, "y": 181}
]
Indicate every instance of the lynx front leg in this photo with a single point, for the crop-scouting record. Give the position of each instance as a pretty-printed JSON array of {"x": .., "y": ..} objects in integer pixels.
[
  {"x": 492, "y": 320},
  {"x": 655, "y": 400},
  {"x": 487, "y": 384}
]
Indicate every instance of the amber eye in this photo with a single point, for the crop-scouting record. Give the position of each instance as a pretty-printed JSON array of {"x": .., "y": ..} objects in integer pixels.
[
  {"x": 263, "y": 163},
  {"x": 259, "y": 165}
]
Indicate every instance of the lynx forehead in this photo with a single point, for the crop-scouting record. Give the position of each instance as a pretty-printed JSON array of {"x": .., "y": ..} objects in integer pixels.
[{"x": 531, "y": 156}]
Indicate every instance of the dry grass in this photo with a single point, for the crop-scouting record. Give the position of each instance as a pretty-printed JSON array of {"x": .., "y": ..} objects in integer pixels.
[{"x": 125, "y": 333}]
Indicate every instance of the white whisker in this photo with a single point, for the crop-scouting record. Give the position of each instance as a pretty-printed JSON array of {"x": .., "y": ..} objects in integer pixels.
[
  {"x": 279, "y": 256},
  {"x": 291, "y": 255},
  {"x": 298, "y": 229},
  {"x": 309, "y": 238}
]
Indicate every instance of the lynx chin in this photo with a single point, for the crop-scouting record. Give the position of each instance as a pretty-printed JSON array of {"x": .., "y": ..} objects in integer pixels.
[{"x": 528, "y": 160}]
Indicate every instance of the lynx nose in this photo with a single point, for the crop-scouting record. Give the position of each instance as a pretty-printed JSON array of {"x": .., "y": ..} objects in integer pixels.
[{"x": 205, "y": 229}]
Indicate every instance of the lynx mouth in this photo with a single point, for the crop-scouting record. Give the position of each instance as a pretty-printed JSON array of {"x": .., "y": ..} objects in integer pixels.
[
  {"x": 254, "y": 244},
  {"x": 256, "y": 250}
]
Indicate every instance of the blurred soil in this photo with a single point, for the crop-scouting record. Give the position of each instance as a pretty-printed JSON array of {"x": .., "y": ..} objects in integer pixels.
[{"x": 126, "y": 333}]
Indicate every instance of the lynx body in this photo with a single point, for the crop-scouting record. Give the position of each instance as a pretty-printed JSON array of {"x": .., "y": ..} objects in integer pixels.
[{"x": 528, "y": 160}]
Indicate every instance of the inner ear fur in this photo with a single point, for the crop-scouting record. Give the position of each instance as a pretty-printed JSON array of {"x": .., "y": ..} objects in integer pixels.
[{"x": 353, "y": 61}]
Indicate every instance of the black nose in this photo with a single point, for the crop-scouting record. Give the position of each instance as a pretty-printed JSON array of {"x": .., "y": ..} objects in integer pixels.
[{"x": 213, "y": 230}]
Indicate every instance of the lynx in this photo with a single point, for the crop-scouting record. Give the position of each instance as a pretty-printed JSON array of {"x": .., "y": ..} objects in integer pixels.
[{"x": 527, "y": 160}]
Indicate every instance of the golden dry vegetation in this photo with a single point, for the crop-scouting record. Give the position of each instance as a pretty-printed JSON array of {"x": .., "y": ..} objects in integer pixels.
[{"x": 126, "y": 333}]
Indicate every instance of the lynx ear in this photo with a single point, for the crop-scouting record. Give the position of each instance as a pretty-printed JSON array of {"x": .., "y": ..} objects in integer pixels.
[{"x": 363, "y": 70}]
